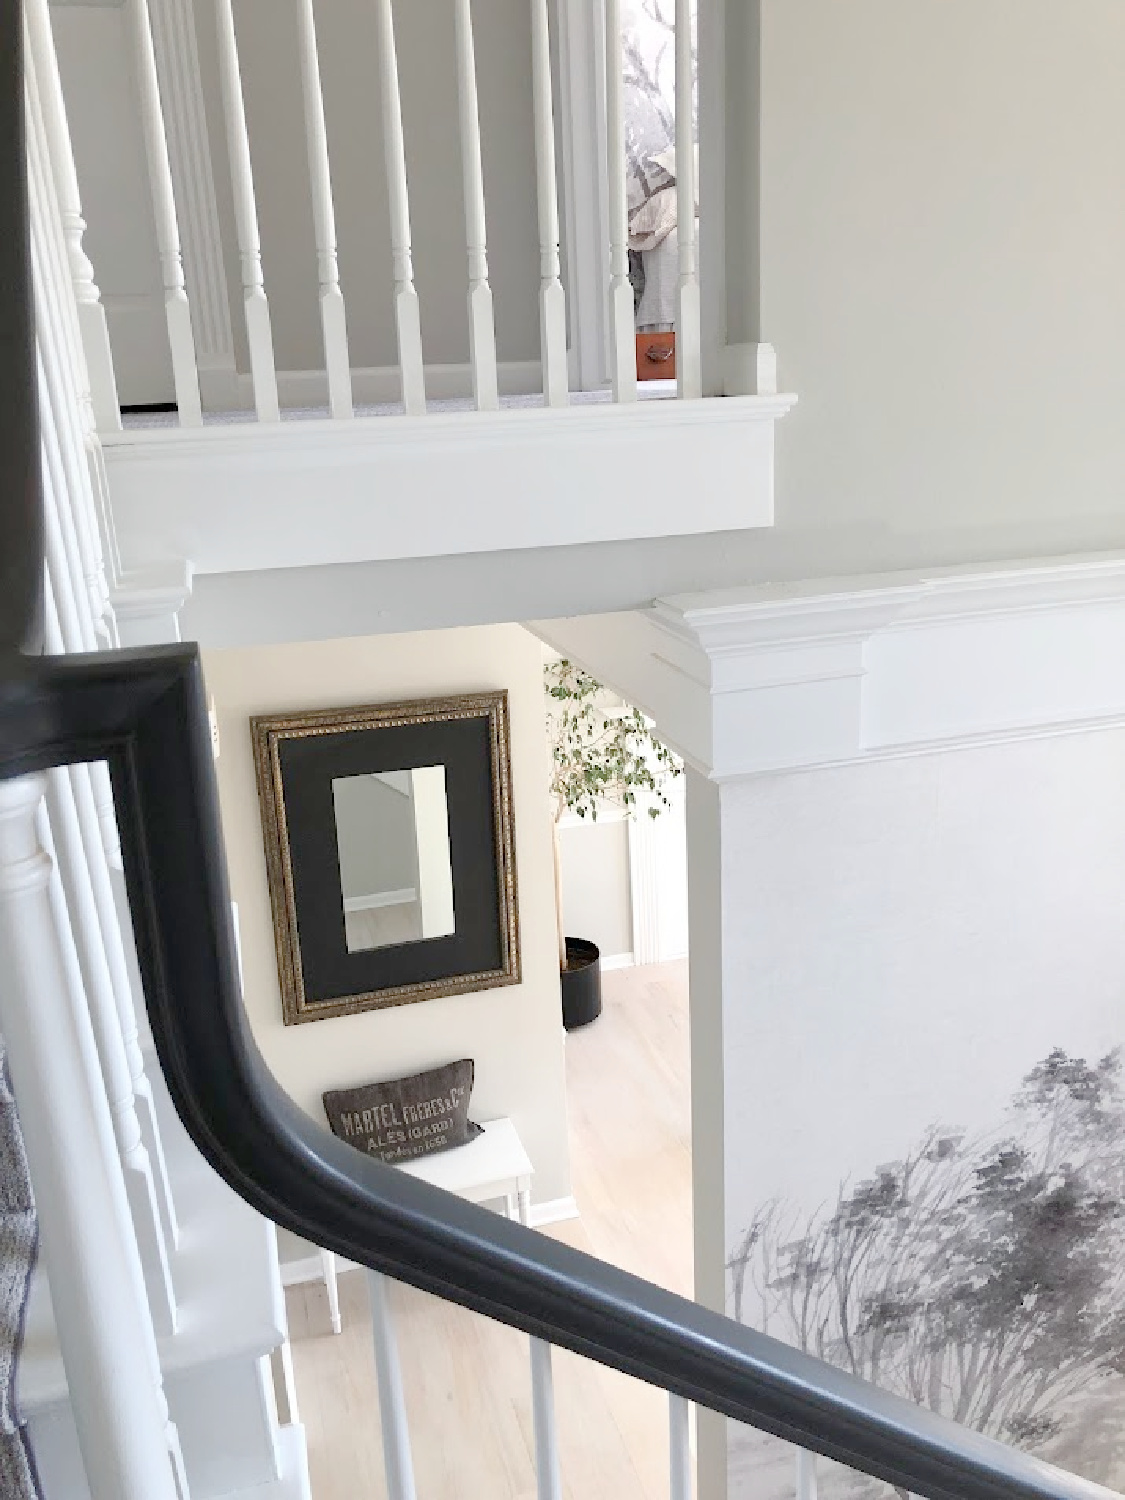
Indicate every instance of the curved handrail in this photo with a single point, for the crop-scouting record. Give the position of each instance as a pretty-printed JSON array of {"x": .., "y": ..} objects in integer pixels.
[{"x": 146, "y": 713}]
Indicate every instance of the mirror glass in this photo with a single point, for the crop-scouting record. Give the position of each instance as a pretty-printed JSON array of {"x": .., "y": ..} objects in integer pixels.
[{"x": 392, "y": 838}]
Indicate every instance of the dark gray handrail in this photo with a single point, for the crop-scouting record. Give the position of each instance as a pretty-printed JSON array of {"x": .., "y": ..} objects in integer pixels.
[{"x": 145, "y": 712}]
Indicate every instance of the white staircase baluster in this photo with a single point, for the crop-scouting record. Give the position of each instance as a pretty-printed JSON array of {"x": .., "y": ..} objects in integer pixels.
[
  {"x": 91, "y": 313},
  {"x": 622, "y": 324},
  {"x": 806, "y": 1475},
  {"x": 177, "y": 311},
  {"x": 57, "y": 317},
  {"x": 94, "y": 802},
  {"x": 140, "y": 1185},
  {"x": 552, "y": 298},
  {"x": 105, "y": 1338},
  {"x": 59, "y": 360},
  {"x": 397, "y": 1461},
  {"x": 482, "y": 329},
  {"x": 257, "y": 309},
  {"x": 689, "y": 349},
  {"x": 679, "y": 1447},
  {"x": 548, "y": 1485},
  {"x": 332, "y": 318},
  {"x": 407, "y": 313}
]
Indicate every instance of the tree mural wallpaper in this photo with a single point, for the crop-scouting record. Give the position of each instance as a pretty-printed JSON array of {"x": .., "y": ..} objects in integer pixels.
[{"x": 981, "y": 1276}]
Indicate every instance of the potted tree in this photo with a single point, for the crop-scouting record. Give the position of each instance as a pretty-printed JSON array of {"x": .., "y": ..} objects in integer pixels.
[{"x": 601, "y": 756}]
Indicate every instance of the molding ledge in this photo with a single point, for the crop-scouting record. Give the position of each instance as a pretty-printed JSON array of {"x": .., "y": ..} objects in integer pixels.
[
  {"x": 147, "y": 603},
  {"x": 753, "y": 681}
]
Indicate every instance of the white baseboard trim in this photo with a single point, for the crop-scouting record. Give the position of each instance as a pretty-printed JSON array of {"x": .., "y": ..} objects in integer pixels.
[
  {"x": 308, "y": 1268},
  {"x": 553, "y": 1211},
  {"x": 618, "y": 961}
]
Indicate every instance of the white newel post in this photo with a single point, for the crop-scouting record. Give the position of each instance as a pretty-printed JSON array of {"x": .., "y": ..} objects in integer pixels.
[
  {"x": 257, "y": 309},
  {"x": 177, "y": 312},
  {"x": 552, "y": 298},
  {"x": 91, "y": 313},
  {"x": 482, "y": 329},
  {"x": 689, "y": 350},
  {"x": 622, "y": 324},
  {"x": 106, "y": 1342},
  {"x": 407, "y": 314},
  {"x": 332, "y": 317}
]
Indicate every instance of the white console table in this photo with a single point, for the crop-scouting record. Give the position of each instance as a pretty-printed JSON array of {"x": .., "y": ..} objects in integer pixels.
[{"x": 494, "y": 1165}]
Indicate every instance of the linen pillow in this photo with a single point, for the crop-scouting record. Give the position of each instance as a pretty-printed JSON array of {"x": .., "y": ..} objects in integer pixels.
[{"x": 405, "y": 1118}]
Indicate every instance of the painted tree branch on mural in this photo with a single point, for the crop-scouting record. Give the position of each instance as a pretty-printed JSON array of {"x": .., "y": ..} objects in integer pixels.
[{"x": 982, "y": 1277}]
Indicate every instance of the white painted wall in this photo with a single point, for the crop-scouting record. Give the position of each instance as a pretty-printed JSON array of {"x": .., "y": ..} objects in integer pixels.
[
  {"x": 903, "y": 941},
  {"x": 514, "y": 1033},
  {"x": 597, "y": 899},
  {"x": 942, "y": 230}
]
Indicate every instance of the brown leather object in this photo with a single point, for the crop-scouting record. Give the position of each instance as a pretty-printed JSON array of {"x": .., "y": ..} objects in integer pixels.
[
  {"x": 405, "y": 1118},
  {"x": 656, "y": 356}
]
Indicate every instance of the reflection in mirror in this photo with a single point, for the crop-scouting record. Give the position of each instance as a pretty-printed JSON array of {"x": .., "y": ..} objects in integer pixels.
[{"x": 392, "y": 838}]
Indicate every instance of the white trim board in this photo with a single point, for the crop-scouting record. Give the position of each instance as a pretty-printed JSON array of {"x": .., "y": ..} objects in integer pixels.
[
  {"x": 213, "y": 495},
  {"x": 755, "y": 681}
]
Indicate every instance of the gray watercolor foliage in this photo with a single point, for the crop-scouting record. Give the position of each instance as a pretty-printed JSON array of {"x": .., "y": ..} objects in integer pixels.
[{"x": 981, "y": 1276}]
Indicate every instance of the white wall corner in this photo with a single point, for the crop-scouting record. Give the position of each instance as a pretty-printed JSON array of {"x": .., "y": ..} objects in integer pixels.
[{"x": 147, "y": 603}]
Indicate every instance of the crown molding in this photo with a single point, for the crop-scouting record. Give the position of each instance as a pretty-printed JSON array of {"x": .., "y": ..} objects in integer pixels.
[{"x": 760, "y": 680}]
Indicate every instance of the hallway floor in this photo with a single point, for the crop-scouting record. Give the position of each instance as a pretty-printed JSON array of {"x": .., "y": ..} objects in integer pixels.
[{"x": 467, "y": 1385}]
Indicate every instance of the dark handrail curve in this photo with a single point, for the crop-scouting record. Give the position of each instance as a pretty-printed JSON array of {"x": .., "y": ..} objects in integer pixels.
[{"x": 145, "y": 712}]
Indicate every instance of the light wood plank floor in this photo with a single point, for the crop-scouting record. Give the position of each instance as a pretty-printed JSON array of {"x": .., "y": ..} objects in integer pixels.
[{"x": 467, "y": 1384}]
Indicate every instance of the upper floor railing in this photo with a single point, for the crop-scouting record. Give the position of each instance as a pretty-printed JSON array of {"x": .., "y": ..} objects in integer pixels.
[{"x": 169, "y": 91}]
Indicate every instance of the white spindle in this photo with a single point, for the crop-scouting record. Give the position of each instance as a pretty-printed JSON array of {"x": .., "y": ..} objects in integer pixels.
[
  {"x": 622, "y": 324},
  {"x": 679, "y": 1447},
  {"x": 57, "y": 313},
  {"x": 257, "y": 309},
  {"x": 482, "y": 330},
  {"x": 332, "y": 319},
  {"x": 806, "y": 1475},
  {"x": 689, "y": 351},
  {"x": 177, "y": 312},
  {"x": 407, "y": 315},
  {"x": 59, "y": 391},
  {"x": 91, "y": 313},
  {"x": 94, "y": 801},
  {"x": 548, "y": 1485},
  {"x": 552, "y": 299},
  {"x": 397, "y": 1462},
  {"x": 105, "y": 1340},
  {"x": 139, "y": 1182}
]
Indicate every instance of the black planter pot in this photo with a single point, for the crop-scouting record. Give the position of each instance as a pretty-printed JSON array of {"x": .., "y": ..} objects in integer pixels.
[{"x": 581, "y": 984}]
